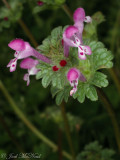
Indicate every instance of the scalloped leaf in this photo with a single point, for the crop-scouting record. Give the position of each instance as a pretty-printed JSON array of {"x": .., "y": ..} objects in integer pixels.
[
  {"x": 91, "y": 93},
  {"x": 100, "y": 80},
  {"x": 63, "y": 95},
  {"x": 101, "y": 57}
]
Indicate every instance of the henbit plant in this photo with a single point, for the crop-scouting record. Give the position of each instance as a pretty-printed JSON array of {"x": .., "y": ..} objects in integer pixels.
[
  {"x": 69, "y": 59},
  {"x": 60, "y": 66}
]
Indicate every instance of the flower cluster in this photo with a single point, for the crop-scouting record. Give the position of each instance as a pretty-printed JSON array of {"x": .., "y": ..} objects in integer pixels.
[
  {"x": 72, "y": 37},
  {"x": 23, "y": 50}
]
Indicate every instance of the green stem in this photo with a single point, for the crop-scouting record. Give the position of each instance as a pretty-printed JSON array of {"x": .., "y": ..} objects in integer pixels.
[
  {"x": 29, "y": 124},
  {"x": 67, "y": 129},
  {"x": 60, "y": 144},
  {"x": 67, "y": 11},
  {"x": 109, "y": 108},
  {"x": 115, "y": 78},
  {"x": 28, "y": 33},
  {"x": 113, "y": 39},
  {"x": 114, "y": 33}
]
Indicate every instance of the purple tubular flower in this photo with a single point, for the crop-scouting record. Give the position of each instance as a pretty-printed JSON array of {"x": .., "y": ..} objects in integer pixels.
[
  {"x": 79, "y": 16},
  {"x": 23, "y": 50},
  {"x": 79, "y": 19},
  {"x": 73, "y": 38},
  {"x": 30, "y": 65},
  {"x": 73, "y": 76}
]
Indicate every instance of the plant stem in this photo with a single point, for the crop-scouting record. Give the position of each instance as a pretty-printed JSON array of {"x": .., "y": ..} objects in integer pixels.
[
  {"x": 60, "y": 144},
  {"x": 7, "y": 4},
  {"x": 28, "y": 33},
  {"x": 112, "y": 44},
  {"x": 67, "y": 11},
  {"x": 109, "y": 108},
  {"x": 23, "y": 26},
  {"x": 115, "y": 78},
  {"x": 29, "y": 124},
  {"x": 114, "y": 33},
  {"x": 67, "y": 129},
  {"x": 5, "y": 126}
]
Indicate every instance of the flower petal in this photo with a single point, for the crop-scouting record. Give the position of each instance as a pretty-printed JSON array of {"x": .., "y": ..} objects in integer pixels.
[
  {"x": 27, "y": 78},
  {"x": 80, "y": 26},
  {"x": 12, "y": 64},
  {"x": 33, "y": 71},
  {"x": 79, "y": 15},
  {"x": 28, "y": 51},
  {"x": 17, "y": 44},
  {"x": 82, "y": 78},
  {"x": 66, "y": 49},
  {"x": 88, "y": 19},
  {"x": 87, "y": 50},
  {"x": 81, "y": 54},
  {"x": 73, "y": 91},
  {"x": 73, "y": 74},
  {"x": 70, "y": 31},
  {"x": 28, "y": 63},
  {"x": 68, "y": 34}
]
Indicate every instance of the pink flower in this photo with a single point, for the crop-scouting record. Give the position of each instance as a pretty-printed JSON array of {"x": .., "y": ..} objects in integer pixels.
[
  {"x": 73, "y": 76},
  {"x": 23, "y": 50},
  {"x": 30, "y": 65},
  {"x": 73, "y": 38},
  {"x": 79, "y": 18}
]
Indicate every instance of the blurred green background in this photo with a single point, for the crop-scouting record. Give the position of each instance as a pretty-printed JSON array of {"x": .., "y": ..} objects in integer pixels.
[{"x": 89, "y": 121}]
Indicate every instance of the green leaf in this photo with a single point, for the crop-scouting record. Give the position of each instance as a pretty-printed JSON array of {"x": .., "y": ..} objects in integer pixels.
[
  {"x": 54, "y": 91},
  {"x": 57, "y": 32},
  {"x": 59, "y": 97},
  {"x": 59, "y": 2},
  {"x": 101, "y": 57},
  {"x": 46, "y": 80},
  {"x": 100, "y": 80},
  {"x": 38, "y": 9},
  {"x": 63, "y": 95},
  {"x": 80, "y": 94},
  {"x": 91, "y": 93},
  {"x": 39, "y": 75},
  {"x": 52, "y": 44},
  {"x": 98, "y": 18}
]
